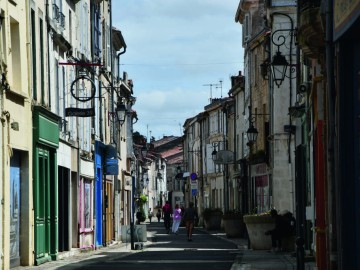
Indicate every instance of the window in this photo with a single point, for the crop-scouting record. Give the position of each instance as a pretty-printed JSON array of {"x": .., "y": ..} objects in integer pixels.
[
  {"x": 87, "y": 204},
  {"x": 42, "y": 62},
  {"x": 70, "y": 27},
  {"x": 2, "y": 40},
  {"x": 246, "y": 28},
  {"x": 56, "y": 86},
  {"x": 262, "y": 193},
  {"x": 83, "y": 29},
  {"x": 33, "y": 54},
  {"x": 96, "y": 31},
  {"x": 15, "y": 55},
  {"x": 107, "y": 45}
]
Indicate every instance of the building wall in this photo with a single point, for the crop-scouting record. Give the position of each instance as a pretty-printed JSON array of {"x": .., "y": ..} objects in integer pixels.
[{"x": 16, "y": 121}]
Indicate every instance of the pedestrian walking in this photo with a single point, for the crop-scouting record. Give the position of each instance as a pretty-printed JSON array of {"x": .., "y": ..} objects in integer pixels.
[
  {"x": 190, "y": 215},
  {"x": 176, "y": 219},
  {"x": 167, "y": 215},
  {"x": 158, "y": 215},
  {"x": 150, "y": 214}
]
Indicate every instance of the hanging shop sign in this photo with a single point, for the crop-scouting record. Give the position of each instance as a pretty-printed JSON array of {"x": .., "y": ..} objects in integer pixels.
[
  {"x": 83, "y": 88},
  {"x": 79, "y": 112}
]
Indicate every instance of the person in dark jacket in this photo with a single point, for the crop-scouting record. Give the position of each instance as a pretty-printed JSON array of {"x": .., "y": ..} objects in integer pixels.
[
  {"x": 158, "y": 214},
  {"x": 284, "y": 227},
  {"x": 167, "y": 211},
  {"x": 189, "y": 217}
]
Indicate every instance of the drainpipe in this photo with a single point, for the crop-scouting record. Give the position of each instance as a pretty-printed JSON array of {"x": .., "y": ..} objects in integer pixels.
[
  {"x": 118, "y": 56},
  {"x": 333, "y": 189}
]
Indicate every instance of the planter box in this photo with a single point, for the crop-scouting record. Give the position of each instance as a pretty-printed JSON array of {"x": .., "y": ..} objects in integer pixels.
[
  {"x": 233, "y": 226},
  {"x": 256, "y": 228},
  {"x": 213, "y": 222}
]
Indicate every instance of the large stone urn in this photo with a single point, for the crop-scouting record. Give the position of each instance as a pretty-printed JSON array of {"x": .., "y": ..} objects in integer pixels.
[
  {"x": 233, "y": 224},
  {"x": 256, "y": 226},
  {"x": 212, "y": 219}
]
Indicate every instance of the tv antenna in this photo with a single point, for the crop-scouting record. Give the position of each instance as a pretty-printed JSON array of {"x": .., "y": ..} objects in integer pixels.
[
  {"x": 220, "y": 86},
  {"x": 211, "y": 85}
]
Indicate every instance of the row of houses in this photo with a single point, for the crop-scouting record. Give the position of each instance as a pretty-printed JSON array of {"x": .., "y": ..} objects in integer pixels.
[
  {"x": 68, "y": 165},
  {"x": 287, "y": 134}
]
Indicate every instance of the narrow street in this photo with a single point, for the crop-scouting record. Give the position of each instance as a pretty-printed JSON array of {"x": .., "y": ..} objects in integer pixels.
[
  {"x": 208, "y": 250},
  {"x": 170, "y": 251},
  {"x": 162, "y": 251}
]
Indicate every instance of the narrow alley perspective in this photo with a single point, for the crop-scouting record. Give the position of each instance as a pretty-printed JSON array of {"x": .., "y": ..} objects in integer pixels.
[{"x": 180, "y": 134}]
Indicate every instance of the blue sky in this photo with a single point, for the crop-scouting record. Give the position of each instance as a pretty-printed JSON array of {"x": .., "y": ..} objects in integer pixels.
[{"x": 175, "y": 48}]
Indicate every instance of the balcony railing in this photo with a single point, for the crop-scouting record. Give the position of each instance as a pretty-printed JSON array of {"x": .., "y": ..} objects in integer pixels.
[
  {"x": 62, "y": 20},
  {"x": 56, "y": 12}
]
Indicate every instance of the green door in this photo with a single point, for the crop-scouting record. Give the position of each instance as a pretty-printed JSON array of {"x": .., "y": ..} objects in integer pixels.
[{"x": 42, "y": 209}]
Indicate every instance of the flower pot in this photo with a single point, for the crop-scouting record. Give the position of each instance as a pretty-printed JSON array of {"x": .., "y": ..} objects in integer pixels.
[
  {"x": 233, "y": 228},
  {"x": 256, "y": 226},
  {"x": 233, "y": 225},
  {"x": 213, "y": 221}
]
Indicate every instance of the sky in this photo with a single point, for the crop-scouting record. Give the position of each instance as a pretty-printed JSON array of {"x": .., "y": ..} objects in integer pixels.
[{"x": 175, "y": 50}]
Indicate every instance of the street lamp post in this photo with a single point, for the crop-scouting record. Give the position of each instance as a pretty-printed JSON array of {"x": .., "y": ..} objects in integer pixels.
[{"x": 279, "y": 67}]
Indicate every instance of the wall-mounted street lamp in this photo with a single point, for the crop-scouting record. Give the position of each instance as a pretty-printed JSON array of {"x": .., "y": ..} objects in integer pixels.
[
  {"x": 279, "y": 64},
  {"x": 216, "y": 146},
  {"x": 252, "y": 133},
  {"x": 119, "y": 114}
]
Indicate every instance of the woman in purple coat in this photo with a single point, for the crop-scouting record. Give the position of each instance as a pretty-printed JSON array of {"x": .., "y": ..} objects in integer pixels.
[{"x": 176, "y": 219}]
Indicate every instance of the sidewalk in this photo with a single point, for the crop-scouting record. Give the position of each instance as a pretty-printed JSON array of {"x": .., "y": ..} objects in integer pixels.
[
  {"x": 261, "y": 259},
  {"x": 83, "y": 257}
]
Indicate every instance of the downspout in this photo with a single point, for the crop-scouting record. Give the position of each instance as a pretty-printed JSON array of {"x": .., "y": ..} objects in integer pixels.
[
  {"x": 237, "y": 206},
  {"x": 2, "y": 160},
  {"x": 225, "y": 166},
  {"x": 100, "y": 112},
  {"x": 118, "y": 57},
  {"x": 333, "y": 207},
  {"x": 105, "y": 199}
]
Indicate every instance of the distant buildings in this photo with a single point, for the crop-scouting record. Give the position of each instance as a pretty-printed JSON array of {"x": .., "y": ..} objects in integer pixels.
[{"x": 286, "y": 137}]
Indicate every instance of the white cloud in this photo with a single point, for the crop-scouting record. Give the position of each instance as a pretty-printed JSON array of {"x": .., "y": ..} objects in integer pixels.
[{"x": 174, "y": 47}]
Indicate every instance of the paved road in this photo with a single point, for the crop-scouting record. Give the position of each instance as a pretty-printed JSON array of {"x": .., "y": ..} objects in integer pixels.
[
  {"x": 209, "y": 250},
  {"x": 164, "y": 251},
  {"x": 170, "y": 251}
]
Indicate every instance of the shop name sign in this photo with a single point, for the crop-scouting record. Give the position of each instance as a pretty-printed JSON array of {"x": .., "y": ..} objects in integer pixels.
[{"x": 79, "y": 112}]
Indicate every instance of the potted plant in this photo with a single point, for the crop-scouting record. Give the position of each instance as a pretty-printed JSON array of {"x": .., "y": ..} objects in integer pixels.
[
  {"x": 140, "y": 214},
  {"x": 233, "y": 224},
  {"x": 212, "y": 218},
  {"x": 257, "y": 225}
]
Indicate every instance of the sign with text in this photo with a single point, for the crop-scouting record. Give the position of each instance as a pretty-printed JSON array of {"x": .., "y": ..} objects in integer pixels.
[
  {"x": 194, "y": 187},
  {"x": 79, "y": 112}
]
